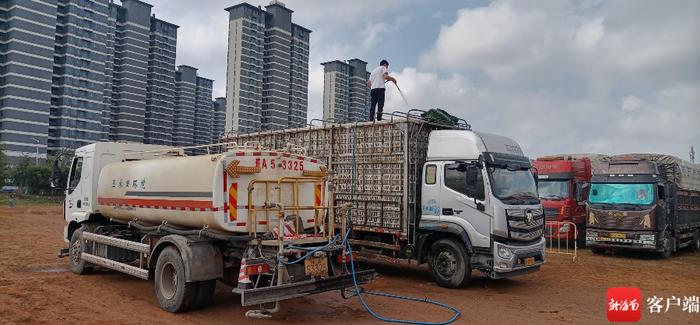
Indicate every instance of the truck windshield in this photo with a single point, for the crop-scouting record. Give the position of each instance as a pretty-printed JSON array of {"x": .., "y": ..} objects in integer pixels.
[
  {"x": 554, "y": 190},
  {"x": 621, "y": 193},
  {"x": 513, "y": 185}
]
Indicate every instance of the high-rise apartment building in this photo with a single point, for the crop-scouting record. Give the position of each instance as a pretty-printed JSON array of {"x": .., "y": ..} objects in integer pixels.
[
  {"x": 267, "y": 73},
  {"x": 203, "y": 111},
  {"x": 219, "y": 120},
  {"x": 183, "y": 115},
  {"x": 131, "y": 25},
  {"x": 345, "y": 91},
  {"x": 160, "y": 92},
  {"x": 27, "y": 32},
  {"x": 80, "y": 54},
  {"x": 73, "y": 72}
]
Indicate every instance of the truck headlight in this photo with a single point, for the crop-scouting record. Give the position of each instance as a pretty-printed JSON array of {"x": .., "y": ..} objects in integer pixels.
[
  {"x": 590, "y": 233},
  {"x": 646, "y": 237},
  {"x": 505, "y": 252}
]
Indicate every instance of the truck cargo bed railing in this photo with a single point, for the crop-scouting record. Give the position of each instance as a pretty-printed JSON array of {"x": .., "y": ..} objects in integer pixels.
[
  {"x": 207, "y": 149},
  {"x": 414, "y": 115}
]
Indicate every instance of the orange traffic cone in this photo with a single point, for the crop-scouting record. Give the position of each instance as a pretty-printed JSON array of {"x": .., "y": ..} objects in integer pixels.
[{"x": 243, "y": 279}]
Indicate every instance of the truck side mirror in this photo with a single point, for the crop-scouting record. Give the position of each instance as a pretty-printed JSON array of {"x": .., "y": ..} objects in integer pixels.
[
  {"x": 55, "y": 176},
  {"x": 536, "y": 175},
  {"x": 578, "y": 192},
  {"x": 670, "y": 194},
  {"x": 479, "y": 193},
  {"x": 475, "y": 184}
]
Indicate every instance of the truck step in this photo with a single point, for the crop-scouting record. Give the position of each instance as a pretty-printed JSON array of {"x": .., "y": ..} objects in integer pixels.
[
  {"x": 121, "y": 267},
  {"x": 263, "y": 295},
  {"x": 117, "y": 242}
]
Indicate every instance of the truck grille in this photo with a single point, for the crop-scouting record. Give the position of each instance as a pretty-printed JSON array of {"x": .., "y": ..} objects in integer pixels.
[
  {"x": 521, "y": 228},
  {"x": 632, "y": 221},
  {"x": 551, "y": 213}
]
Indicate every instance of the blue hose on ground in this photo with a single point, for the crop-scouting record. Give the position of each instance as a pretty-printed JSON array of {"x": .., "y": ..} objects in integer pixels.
[{"x": 374, "y": 314}]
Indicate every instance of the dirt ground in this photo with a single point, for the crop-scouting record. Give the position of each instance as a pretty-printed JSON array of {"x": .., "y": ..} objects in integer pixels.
[{"x": 36, "y": 287}]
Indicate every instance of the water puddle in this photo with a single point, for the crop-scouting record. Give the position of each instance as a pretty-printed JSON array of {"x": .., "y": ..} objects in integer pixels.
[{"x": 47, "y": 269}]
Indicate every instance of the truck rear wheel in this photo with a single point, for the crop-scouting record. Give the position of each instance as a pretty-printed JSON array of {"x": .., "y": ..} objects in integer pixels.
[
  {"x": 598, "y": 250},
  {"x": 449, "y": 263},
  {"x": 76, "y": 248},
  {"x": 174, "y": 293}
]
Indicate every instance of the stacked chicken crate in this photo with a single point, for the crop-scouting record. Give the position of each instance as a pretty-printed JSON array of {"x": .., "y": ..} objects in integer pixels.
[{"x": 388, "y": 159}]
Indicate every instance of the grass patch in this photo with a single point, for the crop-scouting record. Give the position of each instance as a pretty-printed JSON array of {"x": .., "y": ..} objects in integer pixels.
[{"x": 23, "y": 200}]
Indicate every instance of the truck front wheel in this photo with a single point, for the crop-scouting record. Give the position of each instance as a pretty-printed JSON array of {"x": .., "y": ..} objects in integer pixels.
[
  {"x": 449, "y": 263},
  {"x": 696, "y": 241},
  {"x": 666, "y": 246},
  {"x": 76, "y": 248},
  {"x": 174, "y": 293}
]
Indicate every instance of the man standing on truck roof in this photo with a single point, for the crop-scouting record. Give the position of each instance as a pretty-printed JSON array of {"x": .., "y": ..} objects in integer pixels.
[{"x": 376, "y": 81}]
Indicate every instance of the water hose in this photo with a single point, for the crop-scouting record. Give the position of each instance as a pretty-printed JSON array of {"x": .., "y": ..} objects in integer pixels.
[{"x": 359, "y": 293}]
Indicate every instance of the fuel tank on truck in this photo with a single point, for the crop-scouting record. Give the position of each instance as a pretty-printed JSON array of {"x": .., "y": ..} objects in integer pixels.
[{"x": 212, "y": 191}]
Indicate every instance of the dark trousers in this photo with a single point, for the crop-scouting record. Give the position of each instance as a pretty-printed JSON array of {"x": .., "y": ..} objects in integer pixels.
[{"x": 376, "y": 98}]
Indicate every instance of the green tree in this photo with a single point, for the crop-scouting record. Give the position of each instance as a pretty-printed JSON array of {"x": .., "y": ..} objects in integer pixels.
[
  {"x": 39, "y": 180},
  {"x": 34, "y": 179},
  {"x": 20, "y": 173}
]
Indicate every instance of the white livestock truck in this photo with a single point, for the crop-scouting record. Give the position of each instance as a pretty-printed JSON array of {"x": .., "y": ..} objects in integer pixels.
[
  {"x": 187, "y": 221},
  {"x": 430, "y": 193}
]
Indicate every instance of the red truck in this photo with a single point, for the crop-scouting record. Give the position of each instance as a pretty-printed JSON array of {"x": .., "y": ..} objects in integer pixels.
[{"x": 563, "y": 189}]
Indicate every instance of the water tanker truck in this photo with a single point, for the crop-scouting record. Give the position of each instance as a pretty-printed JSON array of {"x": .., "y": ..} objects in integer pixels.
[
  {"x": 255, "y": 219},
  {"x": 646, "y": 202},
  {"x": 428, "y": 192}
]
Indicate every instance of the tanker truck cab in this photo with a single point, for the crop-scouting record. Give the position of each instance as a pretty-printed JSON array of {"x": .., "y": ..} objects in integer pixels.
[
  {"x": 81, "y": 188},
  {"x": 479, "y": 205}
]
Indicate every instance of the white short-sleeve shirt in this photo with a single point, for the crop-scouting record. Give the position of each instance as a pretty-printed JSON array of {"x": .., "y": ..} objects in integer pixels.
[{"x": 377, "y": 77}]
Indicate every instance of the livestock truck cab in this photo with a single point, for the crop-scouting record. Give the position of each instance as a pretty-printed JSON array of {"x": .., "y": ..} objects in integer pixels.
[
  {"x": 479, "y": 200},
  {"x": 255, "y": 219},
  {"x": 563, "y": 189},
  {"x": 425, "y": 191},
  {"x": 644, "y": 202}
]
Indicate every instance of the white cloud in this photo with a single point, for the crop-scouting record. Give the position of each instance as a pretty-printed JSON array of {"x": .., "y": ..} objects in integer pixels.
[
  {"x": 563, "y": 78},
  {"x": 587, "y": 36},
  {"x": 375, "y": 31},
  {"x": 631, "y": 103}
]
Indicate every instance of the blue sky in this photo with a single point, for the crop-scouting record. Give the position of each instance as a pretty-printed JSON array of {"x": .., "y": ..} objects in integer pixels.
[{"x": 558, "y": 76}]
